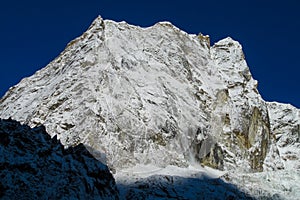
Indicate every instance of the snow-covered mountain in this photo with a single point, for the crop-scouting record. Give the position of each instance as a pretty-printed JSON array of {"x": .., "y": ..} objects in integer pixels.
[{"x": 158, "y": 97}]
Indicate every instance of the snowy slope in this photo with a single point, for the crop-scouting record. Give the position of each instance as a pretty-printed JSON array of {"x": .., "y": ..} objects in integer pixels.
[
  {"x": 158, "y": 97},
  {"x": 175, "y": 183}
]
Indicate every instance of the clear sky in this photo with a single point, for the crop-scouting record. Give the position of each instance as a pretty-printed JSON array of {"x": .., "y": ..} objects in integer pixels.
[{"x": 34, "y": 32}]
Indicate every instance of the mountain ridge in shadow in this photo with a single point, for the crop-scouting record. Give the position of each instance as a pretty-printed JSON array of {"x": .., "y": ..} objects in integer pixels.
[{"x": 35, "y": 166}]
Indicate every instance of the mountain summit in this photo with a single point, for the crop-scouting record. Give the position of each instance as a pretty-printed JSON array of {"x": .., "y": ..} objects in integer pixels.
[{"x": 157, "y": 96}]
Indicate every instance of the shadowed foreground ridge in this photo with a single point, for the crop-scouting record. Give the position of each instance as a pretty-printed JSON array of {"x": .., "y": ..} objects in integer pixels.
[{"x": 34, "y": 166}]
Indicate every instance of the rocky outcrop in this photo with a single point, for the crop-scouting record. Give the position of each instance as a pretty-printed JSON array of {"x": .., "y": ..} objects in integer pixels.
[
  {"x": 285, "y": 128},
  {"x": 239, "y": 117},
  {"x": 34, "y": 166}
]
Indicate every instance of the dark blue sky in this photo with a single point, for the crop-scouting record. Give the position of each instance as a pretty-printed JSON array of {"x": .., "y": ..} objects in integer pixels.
[{"x": 34, "y": 32}]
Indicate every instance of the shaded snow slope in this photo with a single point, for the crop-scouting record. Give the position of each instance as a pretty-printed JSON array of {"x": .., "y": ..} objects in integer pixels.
[
  {"x": 171, "y": 182},
  {"x": 198, "y": 182},
  {"x": 34, "y": 166}
]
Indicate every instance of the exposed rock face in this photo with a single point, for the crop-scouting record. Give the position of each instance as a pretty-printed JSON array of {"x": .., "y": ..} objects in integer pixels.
[
  {"x": 285, "y": 127},
  {"x": 149, "y": 95},
  {"x": 34, "y": 166}
]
